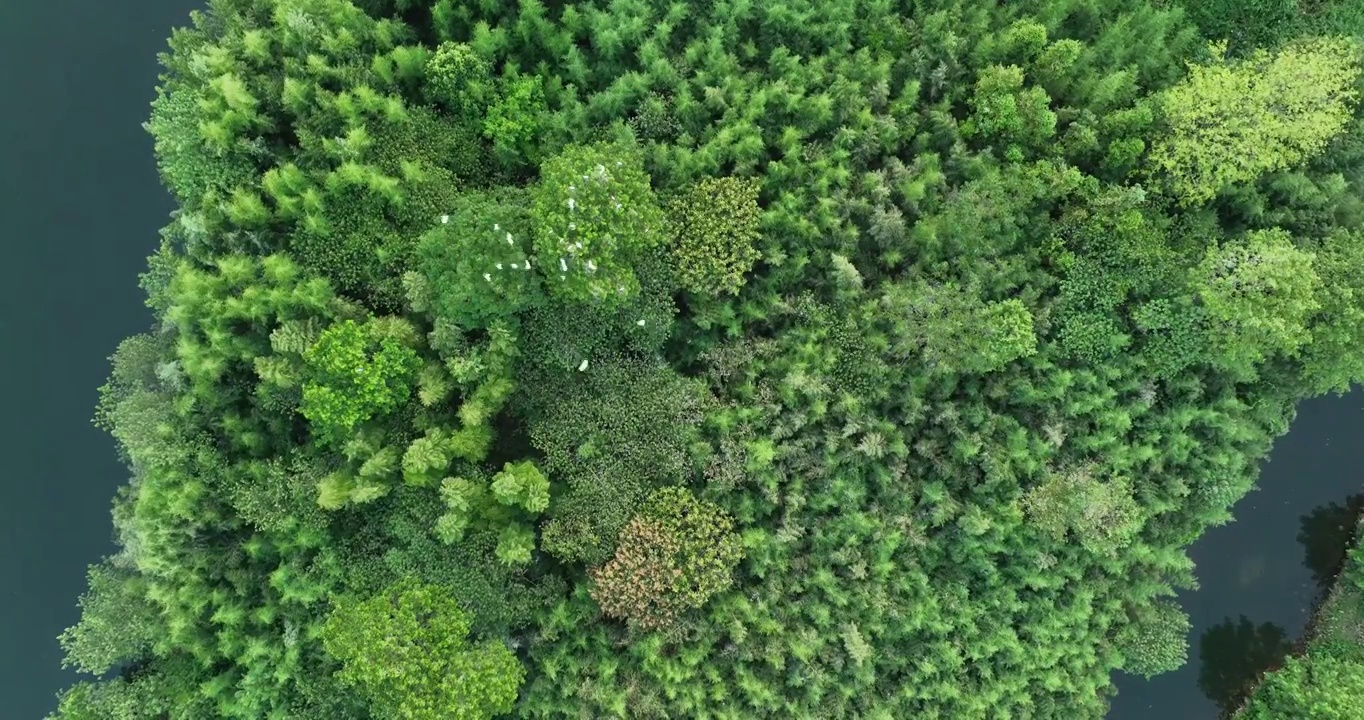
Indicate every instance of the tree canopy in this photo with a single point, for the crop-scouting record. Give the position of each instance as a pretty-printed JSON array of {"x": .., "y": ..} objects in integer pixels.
[{"x": 844, "y": 359}]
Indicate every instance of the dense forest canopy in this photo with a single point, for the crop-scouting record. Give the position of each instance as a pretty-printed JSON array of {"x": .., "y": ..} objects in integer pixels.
[{"x": 717, "y": 359}]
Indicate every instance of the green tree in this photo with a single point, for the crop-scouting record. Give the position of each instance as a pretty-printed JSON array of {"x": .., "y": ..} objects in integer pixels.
[
  {"x": 1233, "y": 121},
  {"x": 1331, "y": 361},
  {"x": 522, "y": 485},
  {"x": 407, "y": 650},
  {"x": 477, "y": 261},
  {"x": 516, "y": 120},
  {"x": 1316, "y": 687},
  {"x": 1157, "y": 642},
  {"x": 118, "y": 624},
  {"x": 459, "y": 79},
  {"x": 146, "y": 698},
  {"x": 354, "y": 377},
  {"x": 956, "y": 332},
  {"x": 1101, "y": 513},
  {"x": 1006, "y": 113},
  {"x": 594, "y": 213},
  {"x": 1259, "y": 293},
  {"x": 713, "y": 225}
]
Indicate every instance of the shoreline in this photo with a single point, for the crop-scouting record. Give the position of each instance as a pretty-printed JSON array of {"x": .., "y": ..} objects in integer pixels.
[{"x": 1351, "y": 567}]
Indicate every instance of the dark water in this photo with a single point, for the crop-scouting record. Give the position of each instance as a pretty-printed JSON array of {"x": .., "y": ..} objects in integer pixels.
[
  {"x": 80, "y": 204},
  {"x": 1261, "y": 566},
  {"x": 79, "y": 208}
]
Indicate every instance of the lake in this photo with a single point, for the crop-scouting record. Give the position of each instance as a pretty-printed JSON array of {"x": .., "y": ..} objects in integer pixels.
[{"x": 81, "y": 205}]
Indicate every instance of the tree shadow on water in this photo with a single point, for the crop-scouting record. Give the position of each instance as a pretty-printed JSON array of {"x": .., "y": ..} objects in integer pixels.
[
  {"x": 1233, "y": 654},
  {"x": 1326, "y": 535}
]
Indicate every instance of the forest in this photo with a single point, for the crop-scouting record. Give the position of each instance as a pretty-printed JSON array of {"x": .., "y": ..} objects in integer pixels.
[{"x": 719, "y": 359}]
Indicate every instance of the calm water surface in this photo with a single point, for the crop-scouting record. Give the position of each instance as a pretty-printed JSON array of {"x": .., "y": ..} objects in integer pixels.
[
  {"x": 1256, "y": 566},
  {"x": 80, "y": 205}
]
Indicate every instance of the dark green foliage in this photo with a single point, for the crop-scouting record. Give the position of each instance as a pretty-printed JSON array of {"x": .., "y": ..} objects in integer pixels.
[
  {"x": 477, "y": 262},
  {"x": 400, "y": 539},
  {"x": 560, "y": 335},
  {"x": 611, "y": 432},
  {"x": 1250, "y": 24}
]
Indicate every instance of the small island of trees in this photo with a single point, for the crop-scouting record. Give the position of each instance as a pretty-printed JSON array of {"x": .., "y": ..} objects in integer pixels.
[{"x": 723, "y": 359}]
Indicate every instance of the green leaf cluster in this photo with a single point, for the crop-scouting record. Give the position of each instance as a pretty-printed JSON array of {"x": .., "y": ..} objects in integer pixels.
[
  {"x": 353, "y": 378},
  {"x": 714, "y": 226},
  {"x": 408, "y": 651}
]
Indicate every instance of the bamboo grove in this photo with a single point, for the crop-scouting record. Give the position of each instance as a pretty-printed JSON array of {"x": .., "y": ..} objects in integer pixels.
[{"x": 711, "y": 359}]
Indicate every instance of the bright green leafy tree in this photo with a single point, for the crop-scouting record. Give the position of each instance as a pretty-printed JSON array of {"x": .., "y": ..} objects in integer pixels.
[
  {"x": 1233, "y": 121},
  {"x": 408, "y": 651},
  {"x": 354, "y": 378},
  {"x": 1259, "y": 293}
]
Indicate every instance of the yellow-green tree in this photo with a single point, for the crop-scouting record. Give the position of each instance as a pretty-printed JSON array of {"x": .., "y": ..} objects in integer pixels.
[
  {"x": 1259, "y": 293},
  {"x": 407, "y": 650},
  {"x": 1233, "y": 121},
  {"x": 714, "y": 224}
]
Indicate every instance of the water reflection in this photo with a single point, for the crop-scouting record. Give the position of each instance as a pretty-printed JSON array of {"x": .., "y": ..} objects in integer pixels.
[
  {"x": 1233, "y": 654},
  {"x": 1326, "y": 533}
]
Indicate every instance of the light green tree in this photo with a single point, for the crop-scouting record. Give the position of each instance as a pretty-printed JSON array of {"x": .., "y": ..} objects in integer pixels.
[
  {"x": 1233, "y": 121},
  {"x": 594, "y": 212},
  {"x": 955, "y": 330},
  {"x": 117, "y": 623},
  {"x": 407, "y": 650},
  {"x": 1259, "y": 293},
  {"x": 459, "y": 79},
  {"x": 1100, "y": 514},
  {"x": 354, "y": 377},
  {"x": 1319, "y": 687}
]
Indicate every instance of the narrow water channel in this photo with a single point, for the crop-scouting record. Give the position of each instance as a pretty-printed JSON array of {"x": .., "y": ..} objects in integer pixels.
[{"x": 1260, "y": 574}]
